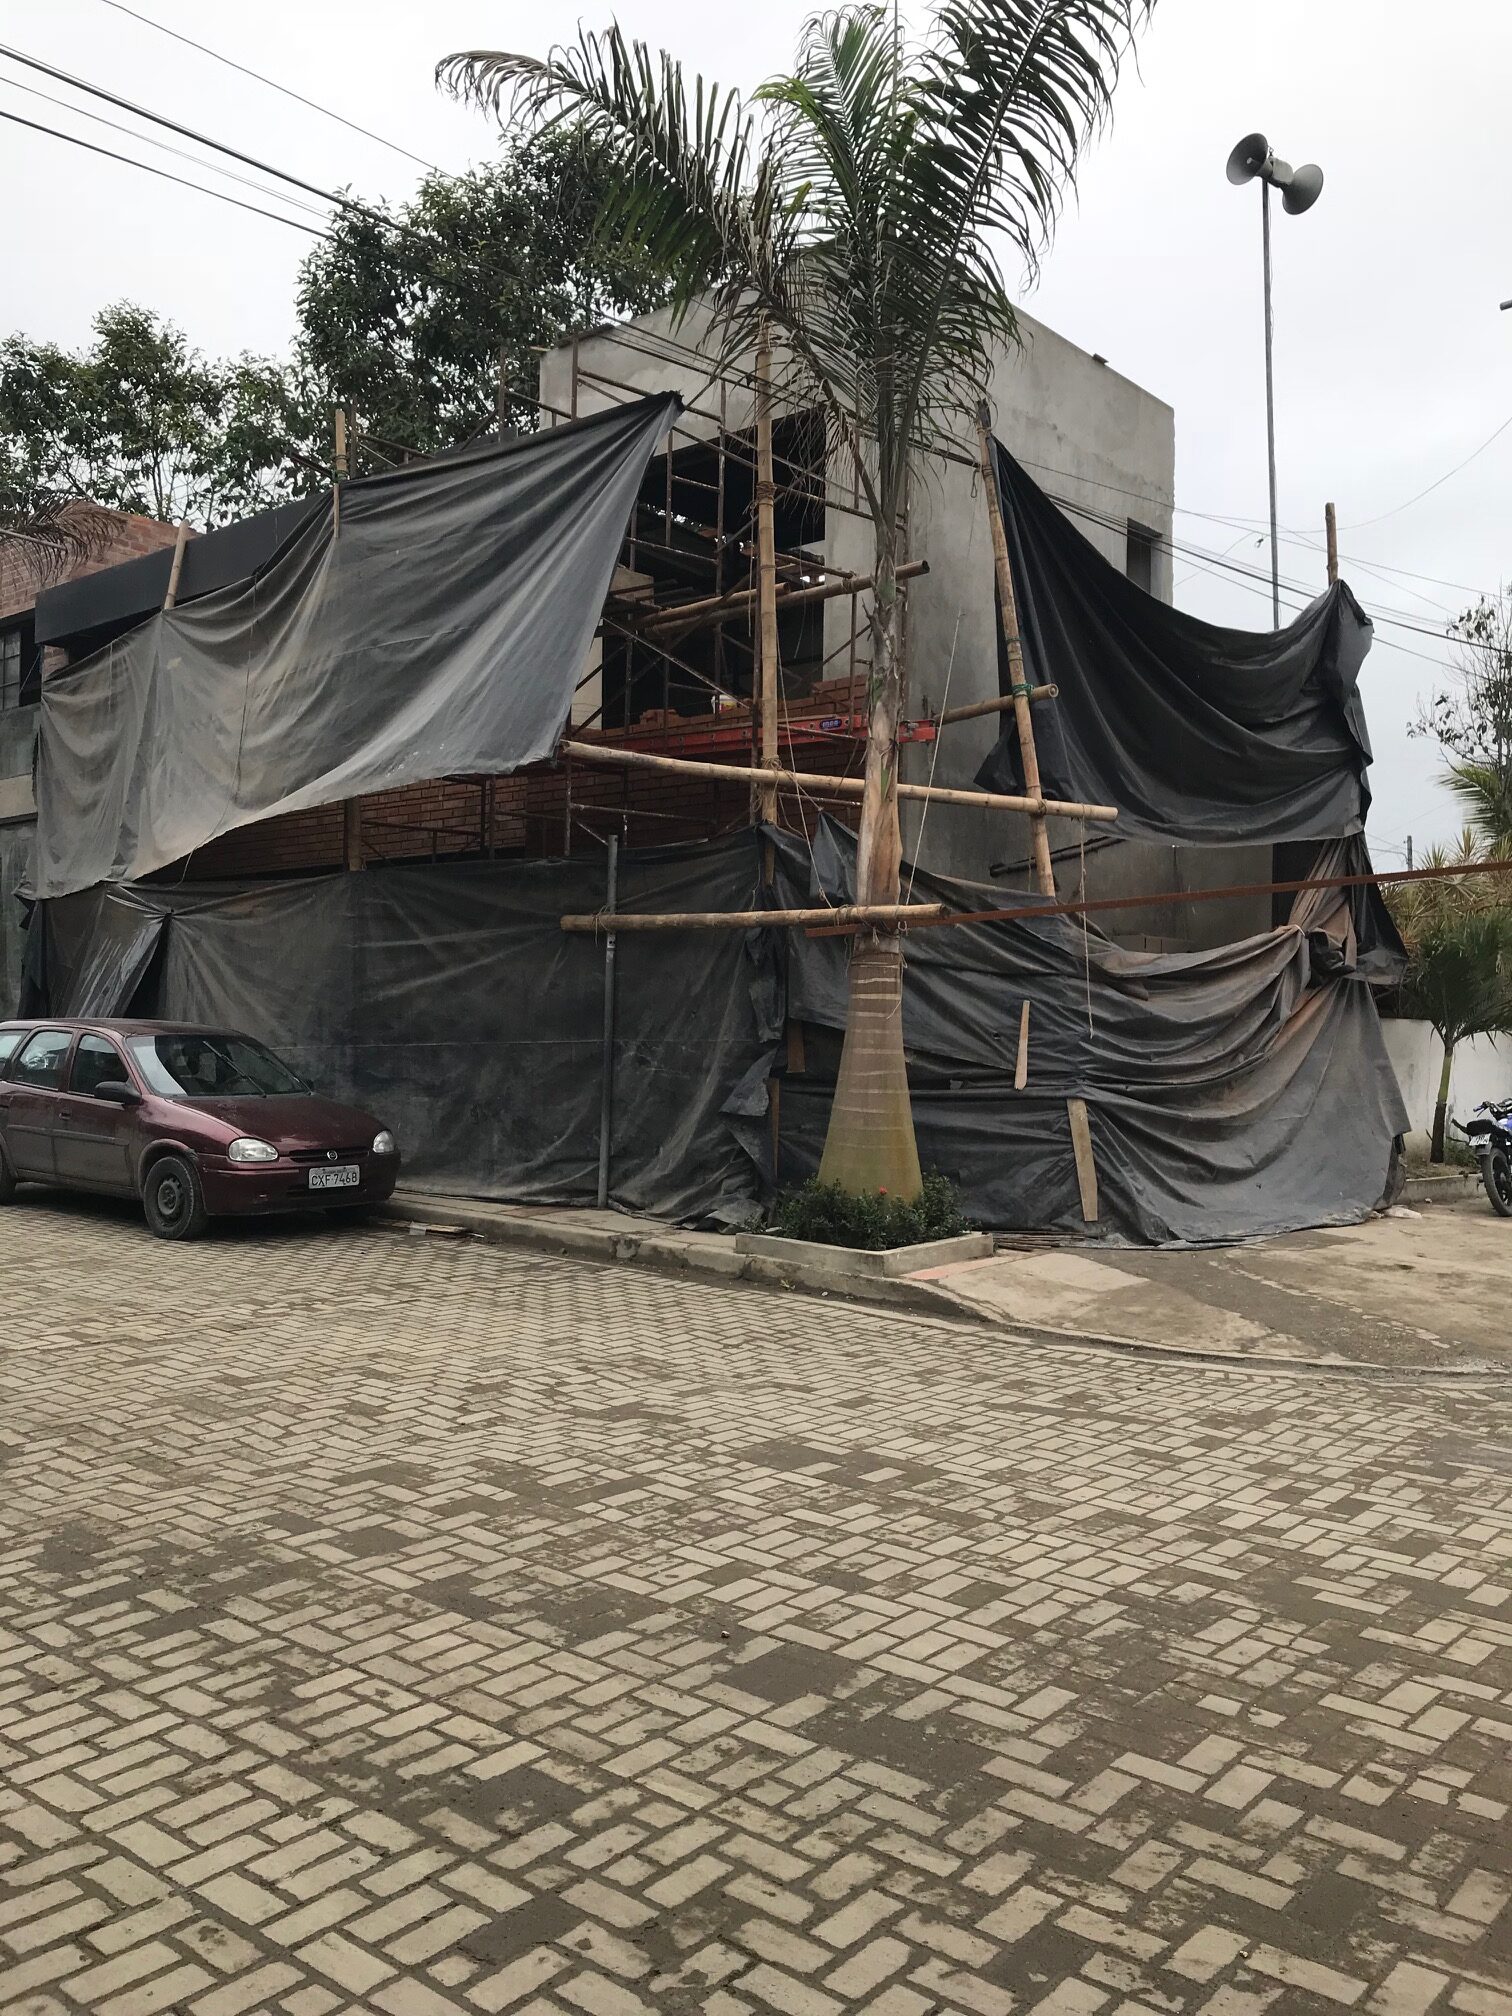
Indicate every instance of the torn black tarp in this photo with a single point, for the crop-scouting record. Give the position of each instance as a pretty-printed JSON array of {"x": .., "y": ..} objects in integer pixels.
[
  {"x": 437, "y": 623},
  {"x": 1197, "y": 734}
]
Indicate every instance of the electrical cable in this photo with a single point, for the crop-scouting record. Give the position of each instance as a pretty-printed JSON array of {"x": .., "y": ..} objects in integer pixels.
[
  {"x": 330, "y": 196},
  {"x": 167, "y": 147},
  {"x": 1397, "y": 509},
  {"x": 272, "y": 84},
  {"x": 147, "y": 169}
]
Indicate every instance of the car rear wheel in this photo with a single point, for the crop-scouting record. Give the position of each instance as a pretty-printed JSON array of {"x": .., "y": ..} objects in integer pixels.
[{"x": 173, "y": 1200}]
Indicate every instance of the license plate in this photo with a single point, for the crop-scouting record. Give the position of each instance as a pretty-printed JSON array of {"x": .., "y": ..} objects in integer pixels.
[{"x": 345, "y": 1176}]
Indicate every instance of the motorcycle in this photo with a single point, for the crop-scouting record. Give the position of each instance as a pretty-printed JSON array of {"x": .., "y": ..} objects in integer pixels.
[{"x": 1490, "y": 1138}]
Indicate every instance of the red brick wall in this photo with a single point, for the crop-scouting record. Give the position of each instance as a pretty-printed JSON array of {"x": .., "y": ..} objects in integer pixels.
[
  {"x": 123, "y": 536},
  {"x": 448, "y": 818}
]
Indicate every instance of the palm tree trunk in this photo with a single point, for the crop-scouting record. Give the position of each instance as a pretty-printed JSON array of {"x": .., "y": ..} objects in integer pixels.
[
  {"x": 870, "y": 1145},
  {"x": 1441, "y": 1110}
]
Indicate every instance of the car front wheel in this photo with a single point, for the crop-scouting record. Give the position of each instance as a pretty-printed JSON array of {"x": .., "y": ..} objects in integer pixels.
[{"x": 173, "y": 1200}]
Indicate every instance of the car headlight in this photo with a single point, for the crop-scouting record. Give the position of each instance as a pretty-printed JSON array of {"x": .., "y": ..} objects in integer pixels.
[
  {"x": 384, "y": 1143},
  {"x": 248, "y": 1150}
]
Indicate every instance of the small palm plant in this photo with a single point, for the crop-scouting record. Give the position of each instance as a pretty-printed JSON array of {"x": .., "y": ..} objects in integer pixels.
[
  {"x": 1458, "y": 935},
  {"x": 853, "y": 208}
]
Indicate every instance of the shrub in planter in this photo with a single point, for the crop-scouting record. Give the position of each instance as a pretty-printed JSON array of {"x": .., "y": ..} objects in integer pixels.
[{"x": 873, "y": 1221}]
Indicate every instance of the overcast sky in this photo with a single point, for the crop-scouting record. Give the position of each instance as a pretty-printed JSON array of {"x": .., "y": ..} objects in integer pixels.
[{"x": 1393, "y": 363}]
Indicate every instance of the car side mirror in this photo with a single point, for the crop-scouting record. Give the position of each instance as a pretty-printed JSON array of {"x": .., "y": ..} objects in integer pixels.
[{"x": 116, "y": 1092}]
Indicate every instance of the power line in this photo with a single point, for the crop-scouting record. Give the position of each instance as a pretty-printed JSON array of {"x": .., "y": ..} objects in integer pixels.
[
  {"x": 167, "y": 147},
  {"x": 272, "y": 84},
  {"x": 163, "y": 174},
  {"x": 204, "y": 140},
  {"x": 1399, "y": 508}
]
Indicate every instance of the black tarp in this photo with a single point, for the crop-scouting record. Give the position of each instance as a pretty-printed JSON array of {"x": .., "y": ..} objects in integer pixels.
[
  {"x": 448, "y": 1000},
  {"x": 1231, "y": 1093},
  {"x": 1198, "y": 734},
  {"x": 437, "y": 623}
]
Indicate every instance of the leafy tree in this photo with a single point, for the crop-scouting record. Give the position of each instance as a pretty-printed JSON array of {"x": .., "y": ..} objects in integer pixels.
[
  {"x": 1458, "y": 934},
  {"x": 852, "y": 208},
  {"x": 1471, "y": 719},
  {"x": 140, "y": 422},
  {"x": 410, "y": 323}
]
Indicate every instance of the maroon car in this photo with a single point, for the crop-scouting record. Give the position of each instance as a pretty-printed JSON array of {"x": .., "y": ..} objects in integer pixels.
[{"x": 197, "y": 1123}]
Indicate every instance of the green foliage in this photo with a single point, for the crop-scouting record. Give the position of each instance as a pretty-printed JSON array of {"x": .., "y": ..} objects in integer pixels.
[
  {"x": 1458, "y": 935},
  {"x": 141, "y": 421},
  {"x": 408, "y": 325},
  {"x": 1471, "y": 718},
  {"x": 874, "y": 1221},
  {"x": 403, "y": 325}
]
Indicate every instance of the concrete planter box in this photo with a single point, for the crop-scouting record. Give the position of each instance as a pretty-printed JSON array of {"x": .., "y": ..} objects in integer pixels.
[{"x": 814, "y": 1258}]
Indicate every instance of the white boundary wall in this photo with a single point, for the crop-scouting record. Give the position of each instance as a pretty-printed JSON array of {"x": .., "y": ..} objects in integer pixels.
[{"x": 1482, "y": 1070}]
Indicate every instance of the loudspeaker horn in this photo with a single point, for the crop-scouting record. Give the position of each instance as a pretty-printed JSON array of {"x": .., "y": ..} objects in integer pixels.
[
  {"x": 1304, "y": 189},
  {"x": 1249, "y": 158}
]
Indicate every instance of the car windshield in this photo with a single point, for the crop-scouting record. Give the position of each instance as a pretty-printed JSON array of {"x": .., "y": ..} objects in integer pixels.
[{"x": 201, "y": 1066}]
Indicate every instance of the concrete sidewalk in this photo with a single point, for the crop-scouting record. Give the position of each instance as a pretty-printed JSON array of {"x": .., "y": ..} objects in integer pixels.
[{"x": 1415, "y": 1291}]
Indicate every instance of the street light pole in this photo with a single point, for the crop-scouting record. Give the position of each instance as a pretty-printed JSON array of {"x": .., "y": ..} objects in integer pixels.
[
  {"x": 1270, "y": 407},
  {"x": 1300, "y": 188}
]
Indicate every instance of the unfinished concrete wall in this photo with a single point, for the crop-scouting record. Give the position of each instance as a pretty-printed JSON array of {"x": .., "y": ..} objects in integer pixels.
[{"x": 1100, "y": 445}]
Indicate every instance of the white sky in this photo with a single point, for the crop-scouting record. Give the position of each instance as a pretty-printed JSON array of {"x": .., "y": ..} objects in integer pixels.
[{"x": 1393, "y": 362}]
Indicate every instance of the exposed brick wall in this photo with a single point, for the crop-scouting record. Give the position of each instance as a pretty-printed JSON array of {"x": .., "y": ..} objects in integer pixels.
[
  {"x": 449, "y": 818},
  {"x": 122, "y": 536}
]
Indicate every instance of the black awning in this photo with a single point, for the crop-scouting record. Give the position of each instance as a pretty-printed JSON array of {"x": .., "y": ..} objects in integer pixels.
[{"x": 102, "y": 604}]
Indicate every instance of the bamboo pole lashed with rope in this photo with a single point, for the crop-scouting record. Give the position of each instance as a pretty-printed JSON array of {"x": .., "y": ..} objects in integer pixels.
[
  {"x": 1019, "y": 690},
  {"x": 766, "y": 576}
]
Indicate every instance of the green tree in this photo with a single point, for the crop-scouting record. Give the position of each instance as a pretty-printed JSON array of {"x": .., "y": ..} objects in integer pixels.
[
  {"x": 409, "y": 323},
  {"x": 1458, "y": 935},
  {"x": 853, "y": 207},
  {"x": 141, "y": 421},
  {"x": 1471, "y": 717}
]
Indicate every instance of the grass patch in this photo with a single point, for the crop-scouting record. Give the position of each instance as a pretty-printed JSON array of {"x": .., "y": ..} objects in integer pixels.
[{"x": 874, "y": 1222}]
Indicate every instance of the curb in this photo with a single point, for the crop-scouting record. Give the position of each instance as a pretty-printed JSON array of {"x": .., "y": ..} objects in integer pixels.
[{"x": 666, "y": 1254}]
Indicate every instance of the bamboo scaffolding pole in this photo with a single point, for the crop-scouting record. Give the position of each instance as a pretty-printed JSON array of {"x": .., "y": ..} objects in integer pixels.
[
  {"x": 714, "y": 608},
  {"x": 176, "y": 566},
  {"x": 1044, "y": 868},
  {"x": 1331, "y": 533},
  {"x": 1162, "y": 898},
  {"x": 751, "y": 920},
  {"x": 766, "y": 577},
  {"x": 1000, "y": 705},
  {"x": 818, "y": 785}
]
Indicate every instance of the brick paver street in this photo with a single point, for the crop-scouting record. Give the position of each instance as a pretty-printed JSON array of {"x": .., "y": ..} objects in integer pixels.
[{"x": 395, "y": 1626}]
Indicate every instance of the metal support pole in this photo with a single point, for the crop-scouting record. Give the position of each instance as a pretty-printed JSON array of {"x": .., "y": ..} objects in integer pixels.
[
  {"x": 1270, "y": 406},
  {"x": 606, "y": 1093}
]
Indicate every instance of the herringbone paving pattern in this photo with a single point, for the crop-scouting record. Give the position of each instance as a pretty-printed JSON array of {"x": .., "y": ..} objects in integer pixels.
[{"x": 387, "y": 1627}]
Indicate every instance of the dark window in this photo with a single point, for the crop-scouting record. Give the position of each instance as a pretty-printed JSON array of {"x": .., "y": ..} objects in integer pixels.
[
  {"x": 212, "y": 1067},
  {"x": 20, "y": 665},
  {"x": 1139, "y": 562},
  {"x": 95, "y": 1061},
  {"x": 41, "y": 1062}
]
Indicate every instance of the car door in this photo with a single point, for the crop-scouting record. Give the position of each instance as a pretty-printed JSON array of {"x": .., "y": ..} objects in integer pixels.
[
  {"x": 31, "y": 1103},
  {"x": 93, "y": 1141}
]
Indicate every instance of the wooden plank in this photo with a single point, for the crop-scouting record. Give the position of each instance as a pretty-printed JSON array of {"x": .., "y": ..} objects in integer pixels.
[
  {"x": 1086, "y": 1166},
  {"x": 1021, "y": 1069}
]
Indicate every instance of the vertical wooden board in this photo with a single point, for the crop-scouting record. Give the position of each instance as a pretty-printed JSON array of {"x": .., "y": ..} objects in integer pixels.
[
  {"x": 1086, "y": 1167},
  {"x": 1021, "y": 1070}
]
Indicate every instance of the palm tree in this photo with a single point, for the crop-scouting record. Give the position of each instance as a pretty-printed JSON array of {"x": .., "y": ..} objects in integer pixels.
[
  {"x": 1458, "y": 934},
  {"x": 851, "y": 208}
]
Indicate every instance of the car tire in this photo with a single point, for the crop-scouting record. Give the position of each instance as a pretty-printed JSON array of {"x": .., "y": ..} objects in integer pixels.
[
  {"x": 172, "y": 1199},
  {"x": 8, "y": 1184}
]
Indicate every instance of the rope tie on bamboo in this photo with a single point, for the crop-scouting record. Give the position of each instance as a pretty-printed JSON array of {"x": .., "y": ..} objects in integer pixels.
[{"x": 1022, "y": 689}]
